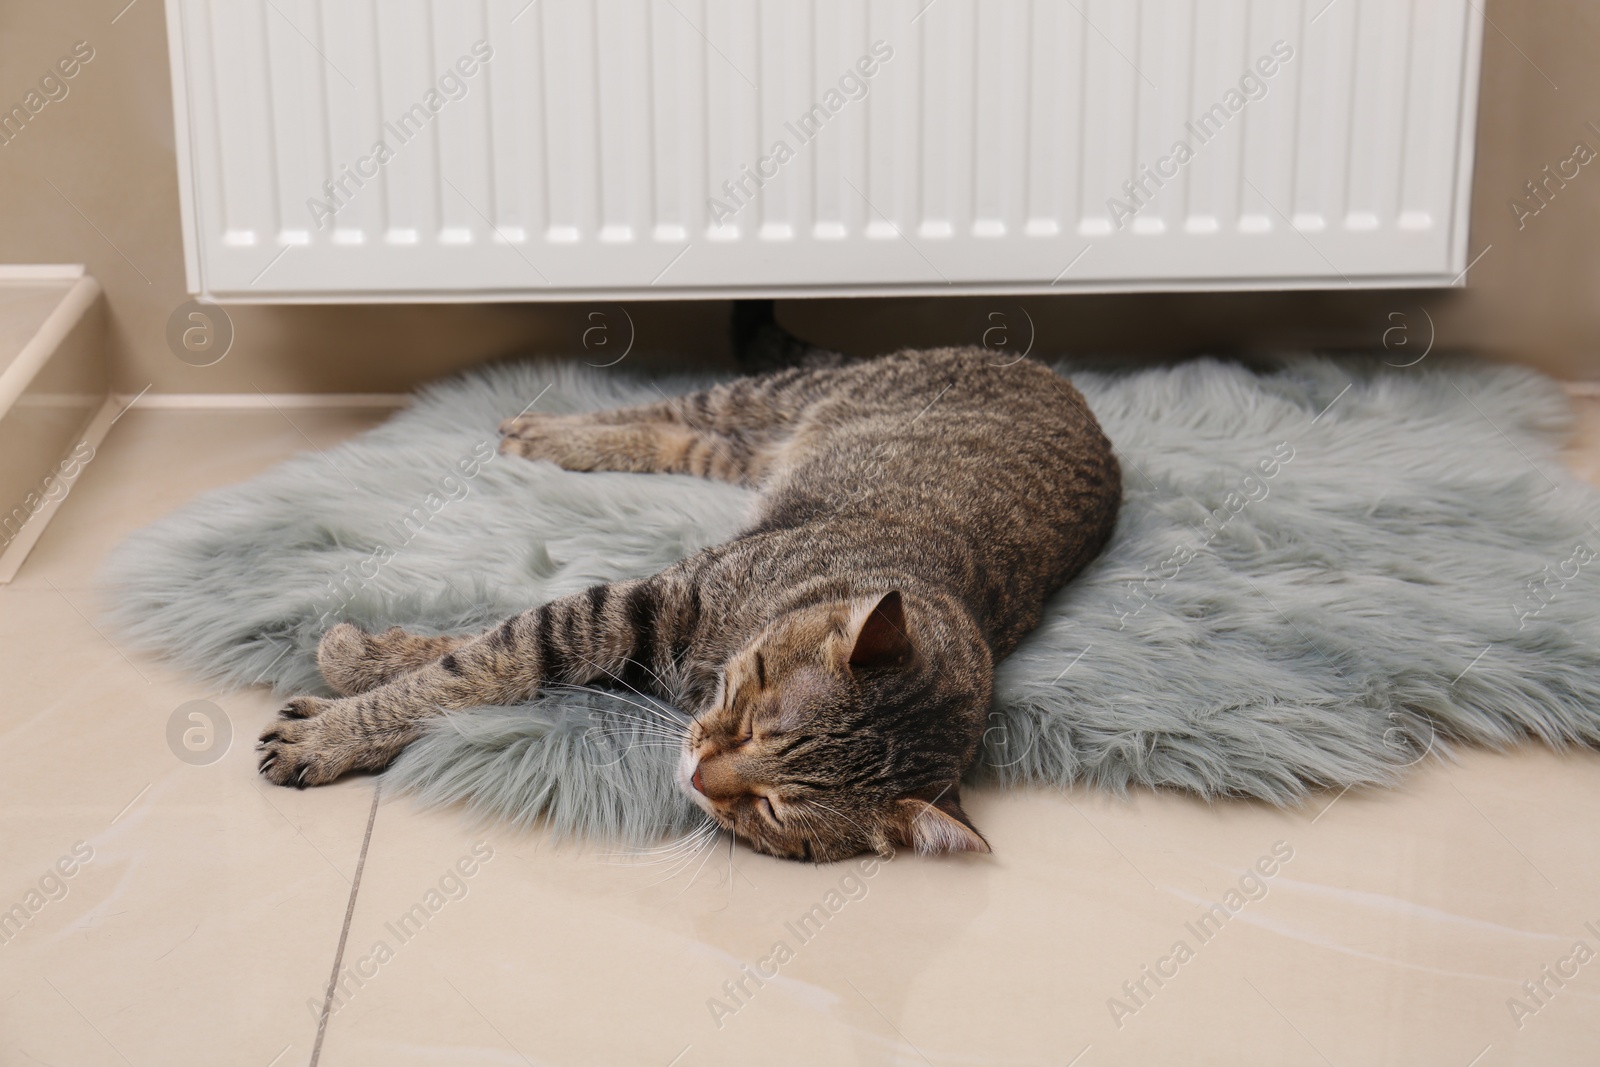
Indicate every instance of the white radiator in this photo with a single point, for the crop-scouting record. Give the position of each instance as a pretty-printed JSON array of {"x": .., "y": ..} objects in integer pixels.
[{"x": 506, "y": 149}]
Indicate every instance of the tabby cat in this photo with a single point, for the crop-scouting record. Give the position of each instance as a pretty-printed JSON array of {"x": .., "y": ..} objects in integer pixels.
[{"x": 837, "y": 656}]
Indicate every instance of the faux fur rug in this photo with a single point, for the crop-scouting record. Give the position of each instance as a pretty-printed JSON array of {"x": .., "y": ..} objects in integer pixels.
[{"x": 1322, "y": 572}]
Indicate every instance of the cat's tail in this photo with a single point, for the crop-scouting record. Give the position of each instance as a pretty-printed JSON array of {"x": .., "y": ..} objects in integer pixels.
[{"x": 761, "y": 345}]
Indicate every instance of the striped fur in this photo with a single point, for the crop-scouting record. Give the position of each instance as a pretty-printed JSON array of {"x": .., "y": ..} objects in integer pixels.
[{"x": 837, "y": 656}]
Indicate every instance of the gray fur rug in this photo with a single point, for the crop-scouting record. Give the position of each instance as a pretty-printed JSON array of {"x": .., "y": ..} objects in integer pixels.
[{"x": 1324, "y": 572}]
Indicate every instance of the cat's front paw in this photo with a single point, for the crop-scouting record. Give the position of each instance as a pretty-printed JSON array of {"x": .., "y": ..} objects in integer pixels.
[{"x": 300, "y": 749}]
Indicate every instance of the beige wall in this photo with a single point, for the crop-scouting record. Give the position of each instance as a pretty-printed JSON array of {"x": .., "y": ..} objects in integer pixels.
[{"x": 92, "y": 180}]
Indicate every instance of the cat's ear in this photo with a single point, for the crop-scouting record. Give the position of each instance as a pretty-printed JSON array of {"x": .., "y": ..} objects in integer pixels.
[
  {"x": 880, "y": 631},
  {"x": 935, "y": 826}
]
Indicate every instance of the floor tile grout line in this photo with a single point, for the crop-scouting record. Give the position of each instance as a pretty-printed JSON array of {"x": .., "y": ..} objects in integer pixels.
[{"x": 344, "y": 933}]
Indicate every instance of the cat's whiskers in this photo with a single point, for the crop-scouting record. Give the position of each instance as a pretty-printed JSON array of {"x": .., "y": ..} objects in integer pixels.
[
  {"x": 840, "y": 814},
  {"x": 624, "y": 683},
  {"x": 658, "y": 713},
  {"x": 706, "y": 825},
  {"x": 634, "y": 727},
  {"x": 678, "y": 867},
  {"x": 812, "y": 825},
  {"x": 663, "y": 853},
  {"x": 665, "y": 688},
  {"x": 668, "y": 733},
  {"x": 805, "y": 819},
  {"x": 703, "y": 843},
  {"x": 709, "y": 850}
]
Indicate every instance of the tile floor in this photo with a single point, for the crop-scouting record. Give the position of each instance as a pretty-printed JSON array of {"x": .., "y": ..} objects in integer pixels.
[{"x": 204, "y": 909}]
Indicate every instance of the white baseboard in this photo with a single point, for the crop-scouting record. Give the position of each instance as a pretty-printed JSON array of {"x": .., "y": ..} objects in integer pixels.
[
  {"x": 40, "y": 272},
  {"x": 113, "y": 408},
  {"x": 74, "y": 304},
  {"x": 93, "y": 433},
  {"x": 265, "y": 401}
]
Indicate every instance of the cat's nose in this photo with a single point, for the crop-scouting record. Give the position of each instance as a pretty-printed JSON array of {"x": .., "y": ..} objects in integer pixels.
[{"x": 716, "y": 779}]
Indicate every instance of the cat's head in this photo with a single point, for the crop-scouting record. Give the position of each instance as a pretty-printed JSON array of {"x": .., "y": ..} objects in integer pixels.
[{"x": 842, "y": 728}]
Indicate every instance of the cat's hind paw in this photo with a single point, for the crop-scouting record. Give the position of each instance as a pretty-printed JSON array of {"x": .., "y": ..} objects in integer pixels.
[
  {"x": 571, "y": 442},
  {"x": 353, "y": 661},
  {"x": 518, "y": 425},
  {"x": 538, "y": 437},
  {"x": 344, "y": 656}
]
